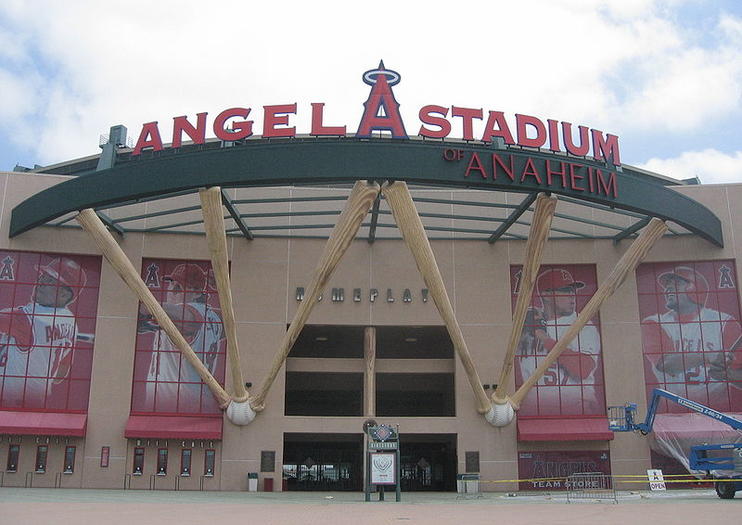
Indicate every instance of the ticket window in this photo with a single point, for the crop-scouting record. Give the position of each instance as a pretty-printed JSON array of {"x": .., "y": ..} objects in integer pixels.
[
  {"x": 69, "y": 459},
  {"x": 209, "y": 463},
  {"x": 185, "y": 462},
  {"x": 42, "y": 452},
  {"x": 138, "y": 461},
  {"x": 162, "y": 462},
  {"x": 14, "y": 452}
]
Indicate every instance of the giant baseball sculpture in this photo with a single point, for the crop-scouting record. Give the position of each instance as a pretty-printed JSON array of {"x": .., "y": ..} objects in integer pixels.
[{"x": 241, "y": 407}]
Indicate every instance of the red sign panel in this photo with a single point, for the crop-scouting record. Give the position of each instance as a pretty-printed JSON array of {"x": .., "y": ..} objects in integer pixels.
[{"x": 48, "y": 305}]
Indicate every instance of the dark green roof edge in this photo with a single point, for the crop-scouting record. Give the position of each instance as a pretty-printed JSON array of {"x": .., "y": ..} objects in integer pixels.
[{"x": 326, "y": 160}]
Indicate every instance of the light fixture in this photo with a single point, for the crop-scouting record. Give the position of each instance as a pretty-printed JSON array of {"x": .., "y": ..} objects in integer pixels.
[
  {"x": 410, "y": 339},
  {"x": 321, "y": 338}
]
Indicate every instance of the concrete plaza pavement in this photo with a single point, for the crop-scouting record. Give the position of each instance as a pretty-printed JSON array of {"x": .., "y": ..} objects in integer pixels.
[{"x": 114, "y": 507}]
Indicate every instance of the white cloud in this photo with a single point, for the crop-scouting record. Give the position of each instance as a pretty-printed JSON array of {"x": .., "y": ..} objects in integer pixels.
[
  {"x": 688, "y": 89},
  {"x": 617, "y": 66},
  {"x": 709, "y": 165}
]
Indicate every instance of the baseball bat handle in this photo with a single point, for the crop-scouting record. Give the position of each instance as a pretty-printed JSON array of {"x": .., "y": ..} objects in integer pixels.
[
  {"x": 537, "y": 237},
  {"x": 211, "y": 207}
]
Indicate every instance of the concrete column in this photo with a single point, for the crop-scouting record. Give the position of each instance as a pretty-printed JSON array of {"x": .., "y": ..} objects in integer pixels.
[{"x": 369, "y": 385}]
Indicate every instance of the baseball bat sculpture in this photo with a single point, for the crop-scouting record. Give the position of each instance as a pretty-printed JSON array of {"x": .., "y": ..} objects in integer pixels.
[
  {"x": 628, "y": 263},
  {"x": 113, "y": 253},
  {"x": 537, "y": 237},
  {"x": 239, "y": 410},
  {"x": 408, "y": 221},
  {"x": 356, "y": 208}
]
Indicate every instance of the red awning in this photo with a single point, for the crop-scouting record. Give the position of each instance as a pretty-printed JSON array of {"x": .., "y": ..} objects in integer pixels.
[
  {"x": 578, "y": 429},
  {"x": 174, "y": 427},
  {"x": 42, "y": 423}
]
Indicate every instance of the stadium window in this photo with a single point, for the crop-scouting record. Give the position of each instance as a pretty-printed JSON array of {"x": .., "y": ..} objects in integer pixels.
[
  {"x": 13, "y": 453},
  {"x": 209, "y": 462},
  {"x": 42, "y": 451},
  {"x": 415, "y": 395},
  {"x": 324, "y": 394},
  {"x": 161, "y": 461},
  {"x": 138, "y": 461},
  {"x": 185, "y": 462},
  {"x": 69, "y": 459}
]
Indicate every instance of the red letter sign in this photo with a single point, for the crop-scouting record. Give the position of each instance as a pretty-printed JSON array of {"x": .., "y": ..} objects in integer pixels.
[
  {"x": 318, "y": 128},
  {"x": 278, "y": 116},
  {"x": 240, "y": 130},
  {"x": 148, "y": 138}
]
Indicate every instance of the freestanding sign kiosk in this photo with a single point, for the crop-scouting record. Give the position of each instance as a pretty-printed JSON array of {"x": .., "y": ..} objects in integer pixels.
[{"x": 383, "y": 460}]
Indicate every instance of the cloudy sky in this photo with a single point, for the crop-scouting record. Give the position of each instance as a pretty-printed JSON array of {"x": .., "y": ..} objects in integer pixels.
[{"x": 665, "y": 76}]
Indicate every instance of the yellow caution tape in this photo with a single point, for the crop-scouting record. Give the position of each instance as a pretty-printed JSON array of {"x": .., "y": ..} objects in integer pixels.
[{"x": 644, "y": 479}]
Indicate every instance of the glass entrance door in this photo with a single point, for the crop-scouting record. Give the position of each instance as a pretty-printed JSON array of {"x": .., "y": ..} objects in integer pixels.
[
  {"x": 428, "y": 462},
  {"x": 328, "y": 462}
]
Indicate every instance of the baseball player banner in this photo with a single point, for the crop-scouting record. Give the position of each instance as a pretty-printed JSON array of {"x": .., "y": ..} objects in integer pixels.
[
  {"x": 691, "y": 335},
  {"x": 164, "y": 382},
  {"x": 48, "y": 305},
  {"x": 573, "y": 386}
]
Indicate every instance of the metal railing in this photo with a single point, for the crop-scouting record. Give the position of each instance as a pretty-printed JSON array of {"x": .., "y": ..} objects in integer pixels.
[
  {"x": 202, "y": 481},
  {"x": 590, "y": 486}
]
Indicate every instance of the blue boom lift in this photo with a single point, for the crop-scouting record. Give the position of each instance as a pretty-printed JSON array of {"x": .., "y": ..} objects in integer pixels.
[{"x": 623, "y": 419}]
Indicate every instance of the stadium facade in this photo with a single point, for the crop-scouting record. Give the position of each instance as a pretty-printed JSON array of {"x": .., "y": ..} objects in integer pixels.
[{"x": 95, "y": 394}]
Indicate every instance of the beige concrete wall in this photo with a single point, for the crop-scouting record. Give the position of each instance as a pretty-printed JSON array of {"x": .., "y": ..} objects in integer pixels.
[{"x": 265, "y": 274}]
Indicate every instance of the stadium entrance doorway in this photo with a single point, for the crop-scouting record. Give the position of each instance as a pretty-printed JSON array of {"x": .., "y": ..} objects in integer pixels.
[
  {"x": 328, "y": 462},
  {"x": 428, "y": 462}
]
